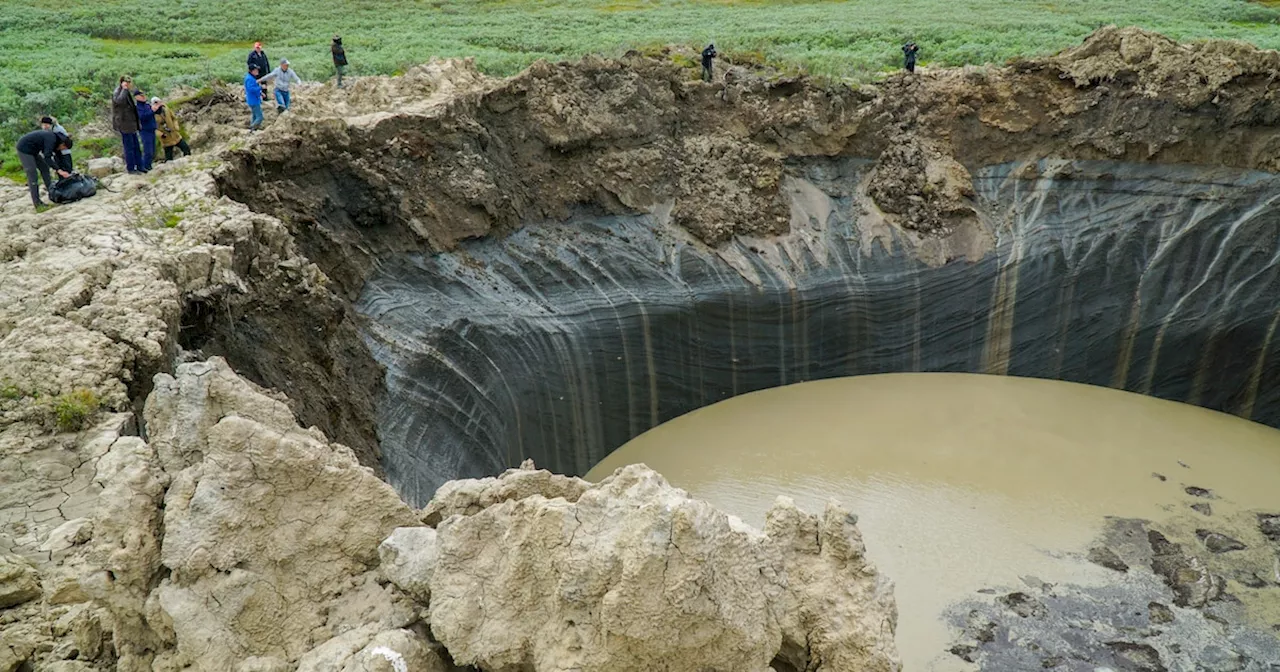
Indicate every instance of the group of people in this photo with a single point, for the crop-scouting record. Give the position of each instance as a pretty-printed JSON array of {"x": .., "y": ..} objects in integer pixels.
[
  {"x": 260, "y": 77},
  {"x": 138, "y": 121}
]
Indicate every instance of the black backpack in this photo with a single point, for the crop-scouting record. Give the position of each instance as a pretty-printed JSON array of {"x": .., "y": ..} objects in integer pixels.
[{"x": 73, "y": 188}]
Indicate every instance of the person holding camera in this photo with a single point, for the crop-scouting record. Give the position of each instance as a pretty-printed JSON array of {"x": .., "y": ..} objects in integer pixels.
[
  {"x": 909, "y": 51},
  {"x": 124, "y": 119},
  {"x": 708, "y": 56}
]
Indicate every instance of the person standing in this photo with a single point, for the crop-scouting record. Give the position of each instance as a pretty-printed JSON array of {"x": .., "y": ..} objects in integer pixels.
[
  {"x": 64, "y": 157},
  {"x": 258, "y": 57},
  {"x": 339, "y": 57},
  {"x": 37, "y": 151},
  {"x": 253, "y": 98},
  {"x": 124, "y": 119},
  {"x": 170, "y": 130},
  {"x": 708, "y": 55},
  {"x": 146, "y": 129},
  {"x": 284, "y": 78},
  {"x": 909, "y": 51}
]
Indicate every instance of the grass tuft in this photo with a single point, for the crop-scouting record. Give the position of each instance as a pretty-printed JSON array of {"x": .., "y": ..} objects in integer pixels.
[{"x": 73, "y": 410}]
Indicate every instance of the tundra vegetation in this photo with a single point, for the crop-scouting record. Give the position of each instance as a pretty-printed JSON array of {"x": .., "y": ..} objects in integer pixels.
[{"x": 64, "y": 58}]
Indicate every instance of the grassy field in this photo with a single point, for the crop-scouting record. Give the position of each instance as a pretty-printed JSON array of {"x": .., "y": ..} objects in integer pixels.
[{"x": 63, "y": 58}]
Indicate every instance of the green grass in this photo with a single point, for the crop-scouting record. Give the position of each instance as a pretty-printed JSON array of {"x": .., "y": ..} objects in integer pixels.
[{"x": 64, "y": 58}]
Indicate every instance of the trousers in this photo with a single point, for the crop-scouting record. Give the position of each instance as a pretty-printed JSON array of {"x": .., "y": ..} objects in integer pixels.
[
  {"x": 35, "y": 167},
  {"x": 132, "y": 152},
  {"x": 148, "y": 149},
  {"x": 182, "y": 144}
]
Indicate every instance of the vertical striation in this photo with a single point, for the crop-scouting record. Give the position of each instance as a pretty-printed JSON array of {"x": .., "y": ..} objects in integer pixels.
[{"x": 564, "y": 340}]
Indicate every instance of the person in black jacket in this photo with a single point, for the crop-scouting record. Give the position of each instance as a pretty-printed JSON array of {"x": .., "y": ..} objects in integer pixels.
[
  {"x": 708, "y": 55},
  {"x": 909, "y": 56},
  {"x": 258, "y": 59},
  {"x": 37, "y": 151},
  {"x": 339, "y": 57}
]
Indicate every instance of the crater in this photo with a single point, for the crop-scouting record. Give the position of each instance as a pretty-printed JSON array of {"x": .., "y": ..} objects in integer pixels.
[
  {"x": 549, "y": 265},
  {"x": 565, "y": 339}
]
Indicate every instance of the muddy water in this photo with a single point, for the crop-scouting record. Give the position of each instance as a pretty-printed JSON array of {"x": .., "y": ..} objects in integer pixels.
[{"x": 963, "y": 482}]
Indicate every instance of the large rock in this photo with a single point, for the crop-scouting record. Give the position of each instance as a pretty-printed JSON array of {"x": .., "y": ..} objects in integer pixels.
[
  {"x": 265, "y": 528},
  {"x": 636, "y": 575}
]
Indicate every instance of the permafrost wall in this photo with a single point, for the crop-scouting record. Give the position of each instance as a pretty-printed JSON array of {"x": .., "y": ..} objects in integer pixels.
[{"x": 563, "y": 341}]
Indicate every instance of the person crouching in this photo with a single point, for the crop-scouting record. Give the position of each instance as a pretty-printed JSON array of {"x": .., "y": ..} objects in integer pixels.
[
  {"x": 37, "y": 151},
  {"x": 170, "y": 130}
]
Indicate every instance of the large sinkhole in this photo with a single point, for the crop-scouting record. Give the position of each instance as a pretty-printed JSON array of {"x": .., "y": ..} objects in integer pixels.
[{"x": 563, "y": 340}]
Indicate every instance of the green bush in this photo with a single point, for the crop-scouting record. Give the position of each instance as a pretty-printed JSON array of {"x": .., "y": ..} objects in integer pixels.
[{"x": 73, "y": 410}]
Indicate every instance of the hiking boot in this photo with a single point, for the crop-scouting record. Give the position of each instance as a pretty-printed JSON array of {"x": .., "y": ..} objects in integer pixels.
[{"x": 279, "y": 109}]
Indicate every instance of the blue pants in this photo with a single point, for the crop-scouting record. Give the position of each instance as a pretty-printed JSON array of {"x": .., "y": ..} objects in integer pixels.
[
  {"x": 282, "y": 98},
  {"x": 132, "y": 152},
  {"x": 148, "y": 148},
  {"x": 255, "y": 120}
]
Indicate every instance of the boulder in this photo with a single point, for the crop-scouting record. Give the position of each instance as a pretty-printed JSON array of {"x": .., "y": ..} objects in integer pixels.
[
  {"x": 469, "y": 496},
  {"x": 408, "y": 557},
  {"x": 104, "y": 166},
  {"x": 19, "y": 581},
  {"x": 636, "y": 575},
  {"x": 367, "y": 650}
]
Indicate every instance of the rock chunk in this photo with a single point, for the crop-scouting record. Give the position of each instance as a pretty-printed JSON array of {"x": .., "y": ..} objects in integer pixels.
[
  {"x": 1023, "y": 605},
  {"x": 1218, "y": 543},
  {"x": 18, "y": 581},
  {"x": 922, "y": 185},
  {"x": 409, "y": 556},
  {"x": 1269, "y": 523},
  {"x": 1101, "y": 555},
  {"x": 635, "y": 575},
  {"x": 1192, "y": 583},
  {"x": 466, "y": 497}
]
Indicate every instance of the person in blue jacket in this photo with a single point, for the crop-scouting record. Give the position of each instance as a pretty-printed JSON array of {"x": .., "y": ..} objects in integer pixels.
[
  {"x": 146, "y": 130},
  {"x": 253, "y": 97}
]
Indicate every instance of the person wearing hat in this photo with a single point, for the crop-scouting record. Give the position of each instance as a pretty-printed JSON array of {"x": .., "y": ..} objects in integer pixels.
[
  {"x": 64, "y": 158},
  {"x": 146, "y": 129},
  {"x": 284, "y": 77},
  {"x": 124, "y": 119},
  {"x": 37, "y": 151},
  {"x": 339, "y": 57},
  {"x": 170, "y": 131},
  {"x": 253, "y": 97}
]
